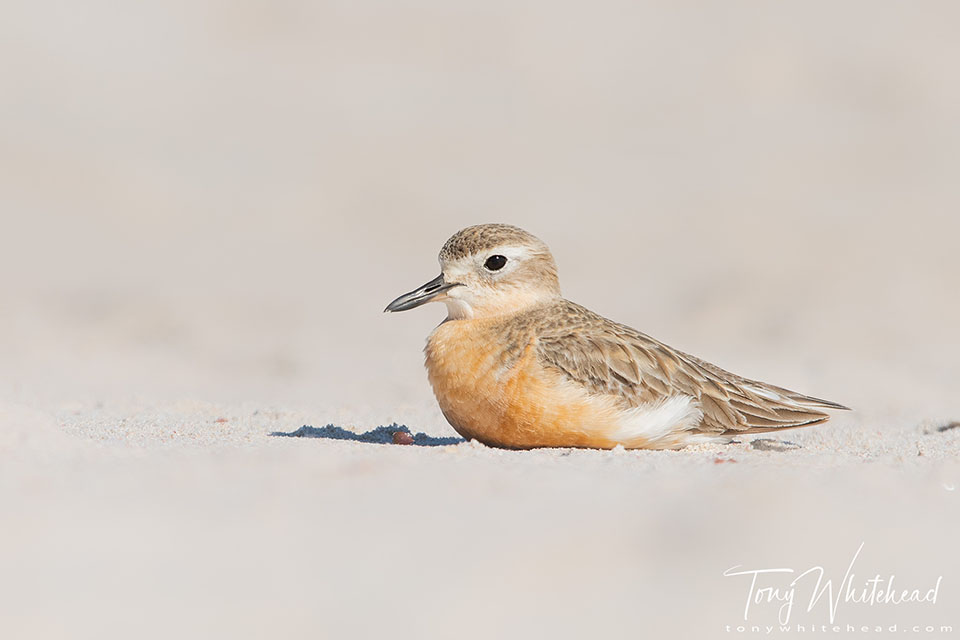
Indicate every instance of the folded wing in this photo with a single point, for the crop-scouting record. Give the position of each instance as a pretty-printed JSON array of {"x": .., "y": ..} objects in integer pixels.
[{"x": 610, "y": 358}]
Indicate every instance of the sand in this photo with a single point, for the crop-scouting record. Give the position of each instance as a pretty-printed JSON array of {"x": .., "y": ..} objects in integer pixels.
[{"x": 205, "y": 209}]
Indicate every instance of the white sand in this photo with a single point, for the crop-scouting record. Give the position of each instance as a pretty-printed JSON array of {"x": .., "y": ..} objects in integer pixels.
[{"x": 205, "y": 208}]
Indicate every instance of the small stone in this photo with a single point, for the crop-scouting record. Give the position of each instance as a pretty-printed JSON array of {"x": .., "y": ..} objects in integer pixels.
[
  {"x": 402, "y": 437},
  {"x": 723, "y": 460},
  {"x": 766, "y": 444},
  {"x": 221, "y": 420}
]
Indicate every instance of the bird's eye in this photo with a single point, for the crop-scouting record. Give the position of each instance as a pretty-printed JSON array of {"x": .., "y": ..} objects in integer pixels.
[{"x": 495, "y": 263}]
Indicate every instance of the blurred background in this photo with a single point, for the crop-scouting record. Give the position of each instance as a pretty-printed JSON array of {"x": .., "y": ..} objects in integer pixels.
[
  {"x": 196, "y": 189},
  {"x": 212, "y": 202}
]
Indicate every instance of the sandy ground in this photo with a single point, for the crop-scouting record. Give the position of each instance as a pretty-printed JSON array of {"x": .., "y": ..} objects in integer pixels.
[{"x": 205, "y": 206}]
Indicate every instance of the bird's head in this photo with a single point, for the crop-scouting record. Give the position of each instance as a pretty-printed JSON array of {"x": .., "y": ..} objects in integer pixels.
[{"x": 488, "y": 270}]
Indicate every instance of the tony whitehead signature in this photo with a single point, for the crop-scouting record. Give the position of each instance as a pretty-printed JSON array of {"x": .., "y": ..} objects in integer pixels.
[{"x": 872, "y": 592}]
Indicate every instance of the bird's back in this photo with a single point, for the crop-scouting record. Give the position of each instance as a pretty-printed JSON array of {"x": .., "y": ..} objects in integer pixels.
[{"x": 611, "y": 358}]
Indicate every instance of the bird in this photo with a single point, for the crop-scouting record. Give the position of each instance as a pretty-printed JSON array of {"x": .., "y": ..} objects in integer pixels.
[{"x": 517, "y": 366}]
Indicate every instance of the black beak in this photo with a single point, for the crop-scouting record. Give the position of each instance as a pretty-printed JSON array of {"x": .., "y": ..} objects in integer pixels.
[{"x": 423, "y": 295}]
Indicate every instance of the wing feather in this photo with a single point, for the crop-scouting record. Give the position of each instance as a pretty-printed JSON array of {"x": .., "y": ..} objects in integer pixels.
[{"x": 610, "y": 358}]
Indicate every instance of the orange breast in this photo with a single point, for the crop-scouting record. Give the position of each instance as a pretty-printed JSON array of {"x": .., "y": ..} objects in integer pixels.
[{"x": 500, "y": 395}]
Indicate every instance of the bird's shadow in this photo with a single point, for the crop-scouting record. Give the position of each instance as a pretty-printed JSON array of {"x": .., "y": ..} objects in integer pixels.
[{"x": 380, "y": 435}]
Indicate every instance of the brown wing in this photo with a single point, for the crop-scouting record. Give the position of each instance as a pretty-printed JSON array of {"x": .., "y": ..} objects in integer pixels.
[{"x": 611, "y": 358}]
